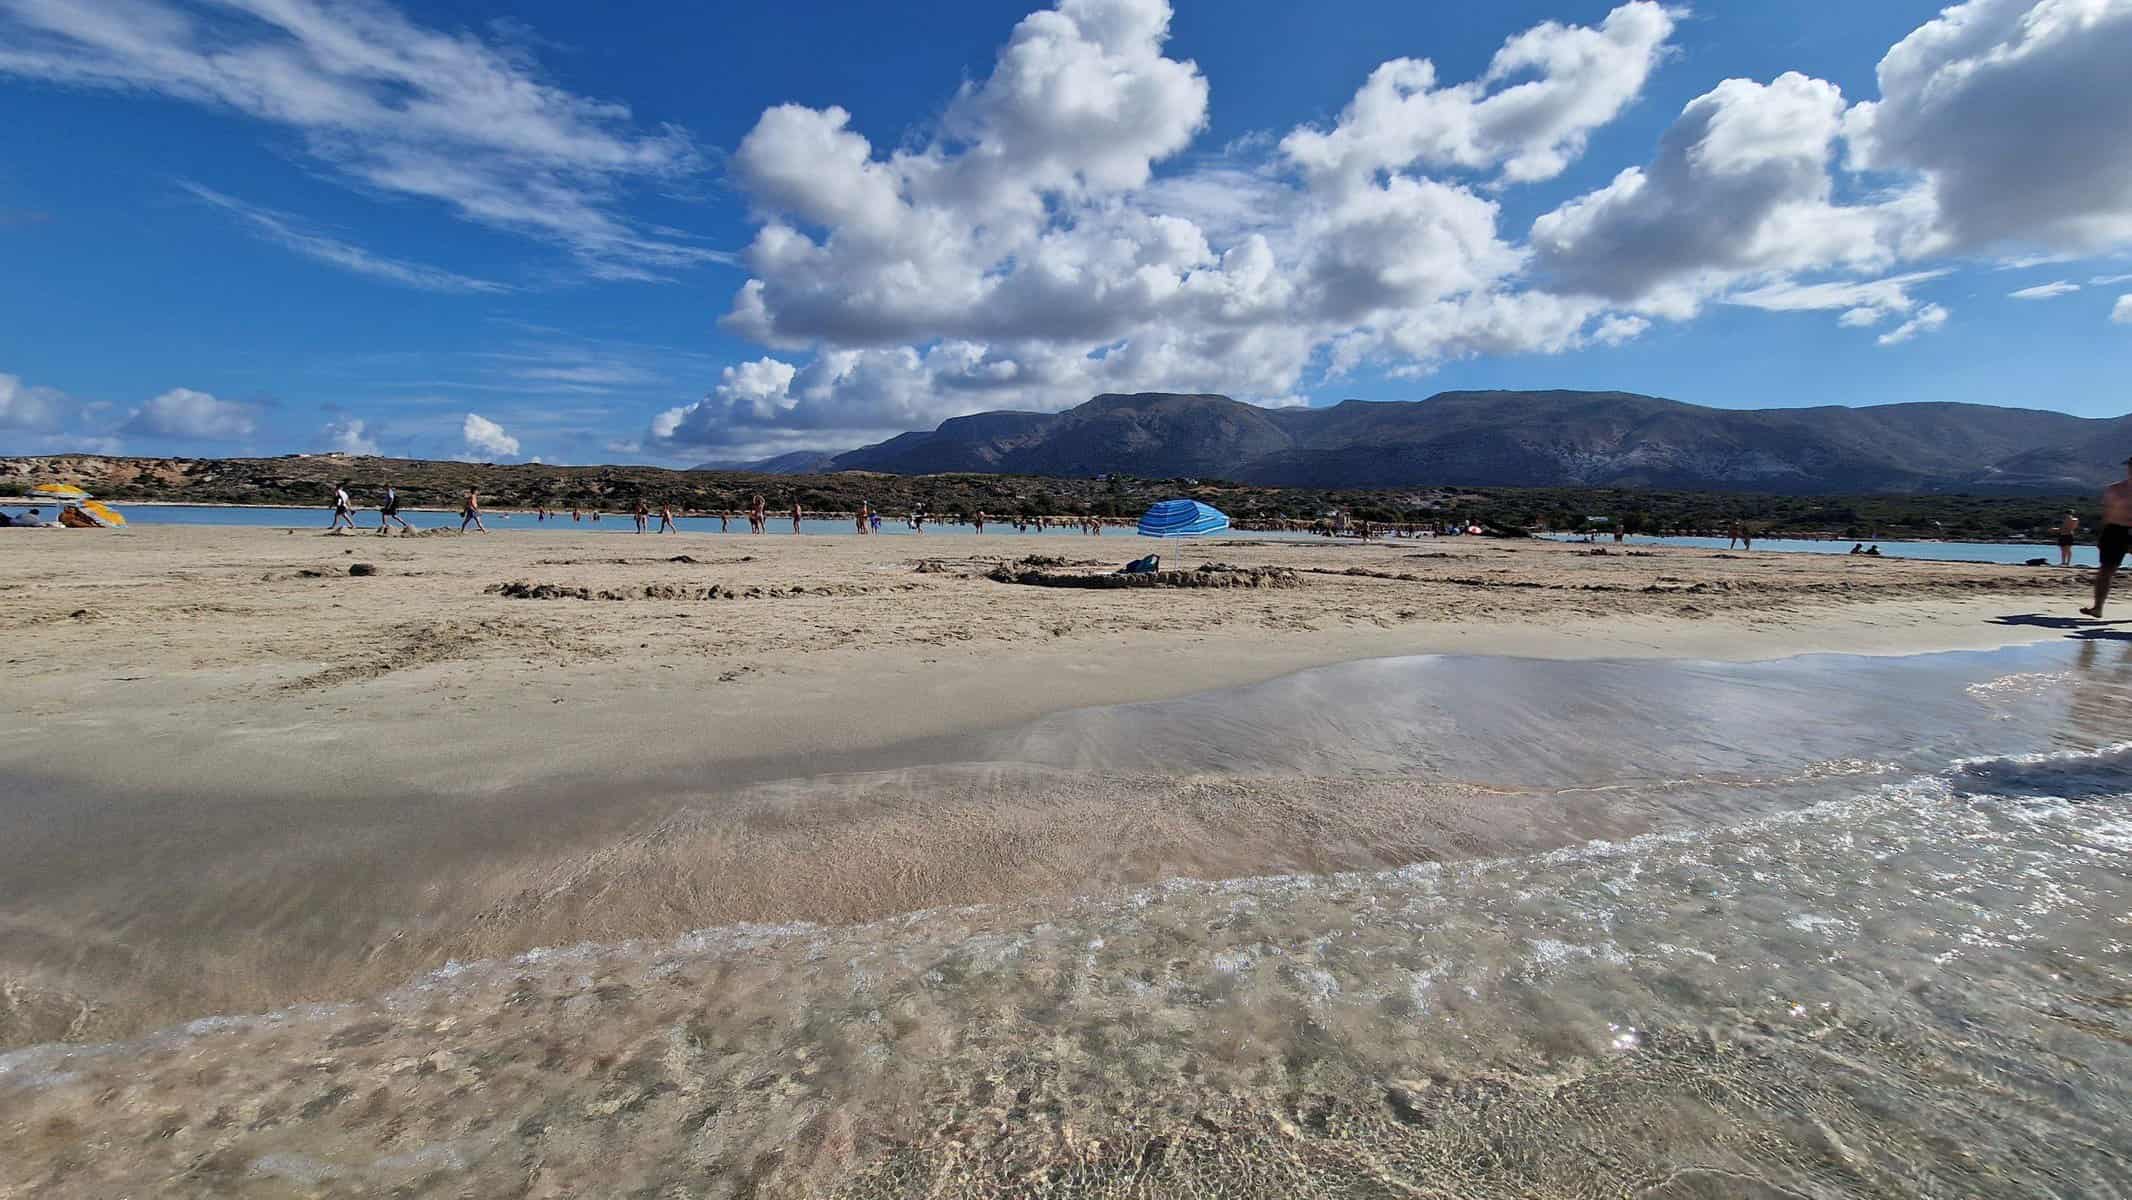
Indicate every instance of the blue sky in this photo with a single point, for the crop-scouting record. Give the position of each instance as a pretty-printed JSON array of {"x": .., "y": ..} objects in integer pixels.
[{"x": 617, "y": 232}]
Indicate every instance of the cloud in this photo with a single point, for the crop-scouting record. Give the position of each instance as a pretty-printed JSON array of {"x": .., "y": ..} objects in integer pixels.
[
  {"x": 2044, "y": 291},
  {"x": 388, "y": 104},
  {"x": 1543, "y": 93},
  {"x": 349, "y": 435},
  {"x": 484, "y": 436},
  {"x": 1740, "y": 187},
  {"x": 2011, "y": 113},
  {"x": 2121, "y": 313},
  {"x": 30, "y": 409},
  {"x": 283, "y": 231},
  {"x": 1863, "y": 301},
  {"x": 196, "y": 416},
  {"x": 1042, "y": 245},
  {"x": 1928, "y": 320},
  {"x": 2107, "y": 280}
]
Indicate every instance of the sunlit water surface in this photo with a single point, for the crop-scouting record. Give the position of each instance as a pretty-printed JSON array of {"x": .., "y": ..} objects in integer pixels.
[{"x": 1829, "y": 926}]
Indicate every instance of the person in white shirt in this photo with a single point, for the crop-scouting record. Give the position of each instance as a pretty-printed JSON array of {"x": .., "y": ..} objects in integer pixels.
[{"x": 343, "y": 509}]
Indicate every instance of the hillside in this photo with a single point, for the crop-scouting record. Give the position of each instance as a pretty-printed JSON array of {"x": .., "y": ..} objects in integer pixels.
[{"x": 1531, "y": 439}]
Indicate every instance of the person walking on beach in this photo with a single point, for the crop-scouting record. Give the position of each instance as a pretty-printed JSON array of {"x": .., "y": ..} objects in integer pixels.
[
  {"x": 639, "y": 513},
  {"x": 758, "y": 518},
  {"x": 795, "y": 516},
  {"x": 470, "y": 512},
  {"x": 979, "y": 521},
  {"x": 666, "y": 518},
  {"x": 2114, "y": 537},
  {"x": 725, "y": 515},
  {"x": 859, "y": 518},
  {"x": 389, "y": 511},
  {"x": 343, "y": 509},
  {"x": 2066, "y": 529}
]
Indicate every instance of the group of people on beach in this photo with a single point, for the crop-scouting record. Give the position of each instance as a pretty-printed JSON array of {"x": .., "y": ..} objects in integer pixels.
[{"x": 389, "y": 510}]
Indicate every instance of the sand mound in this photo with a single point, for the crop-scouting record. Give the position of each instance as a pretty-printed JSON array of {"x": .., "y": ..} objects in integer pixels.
[{"x": 1209, "y": 575}]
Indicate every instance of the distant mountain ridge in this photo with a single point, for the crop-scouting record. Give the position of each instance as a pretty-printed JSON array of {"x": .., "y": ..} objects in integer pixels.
[{"x": 1528, "y": 439}]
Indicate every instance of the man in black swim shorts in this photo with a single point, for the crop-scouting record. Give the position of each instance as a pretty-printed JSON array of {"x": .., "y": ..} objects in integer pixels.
[{"x": 2115, "y": 537}]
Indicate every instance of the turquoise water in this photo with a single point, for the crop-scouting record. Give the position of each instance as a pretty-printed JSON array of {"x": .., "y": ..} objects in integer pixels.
[
  {"x": 299, "y": 518},
  {"x": 1991, "y": 552}
]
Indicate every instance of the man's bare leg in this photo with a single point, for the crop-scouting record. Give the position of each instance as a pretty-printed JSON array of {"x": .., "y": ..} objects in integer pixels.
[{"x": 2102, "y": 590}]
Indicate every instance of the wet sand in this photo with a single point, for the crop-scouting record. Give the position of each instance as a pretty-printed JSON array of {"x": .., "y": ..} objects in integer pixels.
[{"x": 866, "y": 901}]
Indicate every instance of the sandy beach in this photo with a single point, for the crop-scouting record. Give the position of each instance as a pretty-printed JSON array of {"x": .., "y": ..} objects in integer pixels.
[
  {"x": 242, "y": 659},
  {"x": 244, "y": 779}
]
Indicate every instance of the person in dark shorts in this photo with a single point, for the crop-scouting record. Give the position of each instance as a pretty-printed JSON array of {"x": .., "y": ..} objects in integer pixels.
[
  {"x": 2115, "y": 537},
  {"x": 2066, "y": 529},
  {"x": 389, "y": 511}
]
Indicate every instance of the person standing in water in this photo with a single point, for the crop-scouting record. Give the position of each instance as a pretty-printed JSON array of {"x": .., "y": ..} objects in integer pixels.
[
  {"x": 470, "y": 512},
  {"x": 758, "y": 521},
  {"x": 859, "y": 518},
  {"x": 2114, "y": 537},
  {"x": 2066, "y": 529},
  {"x": 795, "y": 516},
  {"x": 389, "y": 511},
  {"x": 639, "y": 513},
  {"x": 343, "y": 509},
  {"x": 725, "y": 517}
]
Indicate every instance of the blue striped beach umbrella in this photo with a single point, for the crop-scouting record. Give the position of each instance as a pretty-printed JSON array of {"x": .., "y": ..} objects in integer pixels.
[{"x": 1182, "y": 518}]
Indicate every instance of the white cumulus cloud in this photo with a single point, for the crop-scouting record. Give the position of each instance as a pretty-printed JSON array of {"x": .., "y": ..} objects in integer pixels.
[
  {"x": 484, "y": 436},
  {"x": 2012, "y": 115},
  {"x": 349, "y": 435},
  {"x": 2121, "y": 312},
  {"x": 1543, "y": 93},
  {"x": 1043, "y": 245},
  {"x": 30, "y": 409},
  {"x": 192, "y": 415},
  {"x": 1740, "y": 187}
]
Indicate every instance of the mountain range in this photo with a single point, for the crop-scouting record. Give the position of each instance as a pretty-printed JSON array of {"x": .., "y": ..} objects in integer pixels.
[{"x": 1518, "y": 439}]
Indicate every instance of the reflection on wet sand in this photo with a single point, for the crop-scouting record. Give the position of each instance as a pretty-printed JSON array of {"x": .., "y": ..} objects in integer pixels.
[{"x": 1821, "y": 927}]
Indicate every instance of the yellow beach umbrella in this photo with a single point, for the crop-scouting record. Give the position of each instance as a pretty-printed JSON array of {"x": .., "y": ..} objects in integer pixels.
[
  {"x": 59, "y": 491},
  {"x": 107, "y": 517}
]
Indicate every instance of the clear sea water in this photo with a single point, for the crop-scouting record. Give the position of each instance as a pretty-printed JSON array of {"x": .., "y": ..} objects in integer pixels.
[
  {"x": 367, "y": 518},
  {"x": 1822, "y": 927},
  {"x": 1992, "y": 552},
  {"x": 300, "y": 518}
]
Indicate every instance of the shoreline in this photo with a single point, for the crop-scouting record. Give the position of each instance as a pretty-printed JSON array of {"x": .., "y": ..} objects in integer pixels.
[{"x": 1291, "y": 526}]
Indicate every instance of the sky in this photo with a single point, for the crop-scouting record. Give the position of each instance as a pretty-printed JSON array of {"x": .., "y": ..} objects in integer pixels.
[{"x": 623, "y": 232}]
